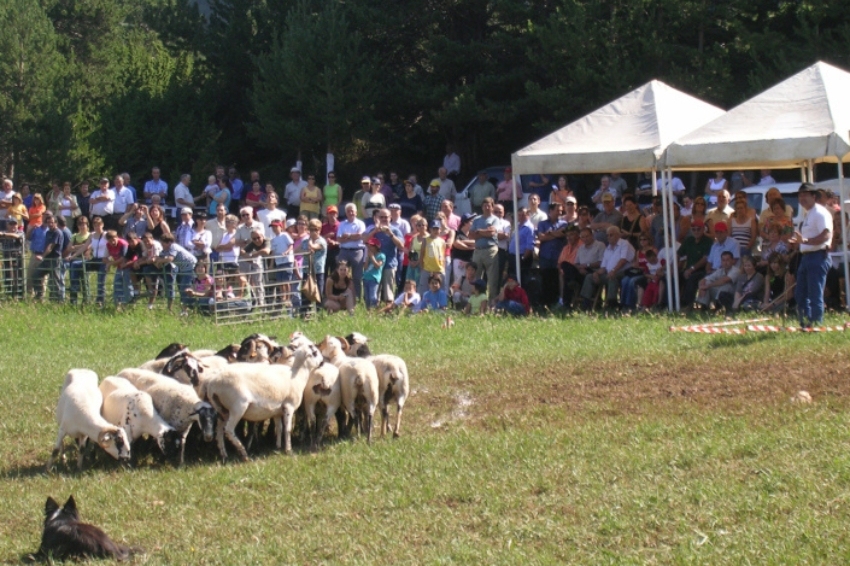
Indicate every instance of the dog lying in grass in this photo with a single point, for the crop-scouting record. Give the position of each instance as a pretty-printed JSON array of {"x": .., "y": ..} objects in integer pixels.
[{"x": 65, "y": 536}]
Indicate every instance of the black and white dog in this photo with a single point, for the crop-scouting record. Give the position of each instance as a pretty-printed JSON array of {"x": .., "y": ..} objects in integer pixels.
[{"x": 65, "y": 536}]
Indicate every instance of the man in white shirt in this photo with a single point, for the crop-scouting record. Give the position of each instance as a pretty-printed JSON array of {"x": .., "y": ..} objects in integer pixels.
[
  {"x": 675, "y": 182},
  {"x": 102, "y": 202},
  {"x": 815, "y": 238},
  {"x": 766, "y": 178},
  {"x": 292, "y": 193},
  {"x": 447, "y": 186},
  {"x": 123, "y": 202},
  {"x": 351, "y": 247},
  {"x": 535, "y": 215},
  {"x": 269, "y": 213},
  {"x": 617, "y": 256},
  {"x": 182, "y": 194},
  {"x": 155, "y": 186},
  {"x": 718, "y": 282},
  {"x": 396, "y": 221},
  {"x": 451, "y": 163}
]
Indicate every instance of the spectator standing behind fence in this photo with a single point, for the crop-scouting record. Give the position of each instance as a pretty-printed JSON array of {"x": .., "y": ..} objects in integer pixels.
[
  {"x": 36, "y": 213},
  {"x": 79, "y": 257},
  {"x": 391, "y": 242},
  {"x": 176, "y": 264},
  {"x": 156, "y": 222},
  {"x": 102, "y": 201},
  {"x": 123, "y": 202},
  {"x": 351, "y": 245},
  {"x": 52, "y": 263},
  {"x": 201, "y": 293},
  {"x": 134, "y": 220},
  {"x": 282, "y": 251},
  {"x": 332, "y": 192},
  {"x": 269, "y": 213},
  {"x": 330, "y": 225},
  {"x": 182, "y": 194},
  {"x": 155, "y": 186},
  {"x": 13, "y": 251},
  {"x": 126, "y": 282},
  {"x": 37, "y": 242},
  {"x": 6, "y": 198},
  {"x": 292, "y": 192},
  {"x": 252, "y": 261},
  {"x": 317, "y": 247},
  {"x": 146, "y": 264},
  {"x": 116, "y": 249},
  {"x": 201, "y": 241},
  {"x": 185, "y": 230},
  {"x": 217, "y": 227},
  {"x": 311, "y": 199},
  {"x": 375, "y": 261}
]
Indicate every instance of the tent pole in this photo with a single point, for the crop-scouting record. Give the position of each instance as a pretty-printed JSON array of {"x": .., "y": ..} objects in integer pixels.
[
  {"x": 516, "y": 231},
  {"x": 665, "y": 224},
  {"x": 842, "y": 245},
  {"x": 672, "y": 216},
  {"x": 802, "y": 173},
  {"x": 811, "y": 171}
]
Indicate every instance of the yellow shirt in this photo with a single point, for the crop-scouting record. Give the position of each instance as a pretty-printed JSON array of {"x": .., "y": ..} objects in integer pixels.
[{"x": 434, "y": 258}]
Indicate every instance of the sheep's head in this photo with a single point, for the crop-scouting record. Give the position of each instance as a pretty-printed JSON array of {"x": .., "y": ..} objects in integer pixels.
[
  {"x": 171, "y": 350},
  {"x": 229, "y": 353},
  {"x": 330, "y": 346},
  {"x": 184, "y": 367},
  {"x": 356, "y": 338},
  {"x": 206, "y": 419},
  {"x": 256, "y": 348},
  {"x": 297, "y": 339},
  {"x": 170, "y": 443},
  {"x": 114, "y": 442},
  {"x": 308, "y": 356},
  {"x": 281, "y": 355}
]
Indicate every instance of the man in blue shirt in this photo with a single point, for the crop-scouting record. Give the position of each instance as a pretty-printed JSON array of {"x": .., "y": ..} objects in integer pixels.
[
  {"x": 392, "y": 243},
  {"x": 51, "y": 262},
  {"x": 552, "y": 235}
]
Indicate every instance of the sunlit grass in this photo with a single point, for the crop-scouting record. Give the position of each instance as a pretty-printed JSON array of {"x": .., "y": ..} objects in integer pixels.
[{"x": 546, "y": 441}]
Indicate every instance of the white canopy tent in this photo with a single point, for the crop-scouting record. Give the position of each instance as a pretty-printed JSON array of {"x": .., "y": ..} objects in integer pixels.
[
  {"x": 628, "y": 135},
  {"x": 801, "y": 121}
]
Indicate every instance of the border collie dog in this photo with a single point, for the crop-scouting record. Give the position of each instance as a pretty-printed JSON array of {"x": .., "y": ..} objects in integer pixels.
[{"x": 65, "y": 536}]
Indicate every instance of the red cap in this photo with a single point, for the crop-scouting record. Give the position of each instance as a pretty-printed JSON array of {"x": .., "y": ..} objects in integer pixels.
[
  {"x": 373, "y": 242},
  {"x": 720, "y": 227}
]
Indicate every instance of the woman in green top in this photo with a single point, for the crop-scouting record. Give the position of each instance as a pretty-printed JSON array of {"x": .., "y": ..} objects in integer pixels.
[{"x": 332, "y": 193}]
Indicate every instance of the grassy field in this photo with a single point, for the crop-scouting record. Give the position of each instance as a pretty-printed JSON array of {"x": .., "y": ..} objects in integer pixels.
[{"x": 544, "y": 441}]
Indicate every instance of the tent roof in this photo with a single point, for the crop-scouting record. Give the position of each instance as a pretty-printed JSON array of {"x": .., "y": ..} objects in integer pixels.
[
  {"x": 803, "y": 117},
  {"x": 629, "y": 134}
]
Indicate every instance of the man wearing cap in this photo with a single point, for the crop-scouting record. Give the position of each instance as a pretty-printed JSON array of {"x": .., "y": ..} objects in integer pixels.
[
  {"x": 609, "y": 216},
  {"x": 270, "y": 212},
  {"x": 481, "y": 189},
  {"x": 357, "y": 198},
  {"x": 507, "y": 191},
  {"x": 103, "y": 202},
  {"x": 693, "y": 257},
  {"x": 155, "y": 186},
  {"x": 391, "y": 243},
  {"x": 433, "y": 201},
  {"x": 814, "y": 238},
  {"x": 447, "y": 186},
  {"x": 292, "y": 193},
  {"x": 486, "y": 255},
  {"x": 351, "y": 245},
  {"x": 605, "y": 188},
  {"x": 396, "y": 221},
  {"x": 185, "y": 230}
]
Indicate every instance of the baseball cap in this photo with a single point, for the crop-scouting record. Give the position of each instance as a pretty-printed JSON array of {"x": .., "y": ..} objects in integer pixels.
[
  {"x": 467, "y": 217},
  {"x": 366, "y": 179},
  {"x": 275, "y": 223},
  {"x": 373, "y": 242},
  {"x": 720, "y": 227},
  {"x": 333, "y": 209},
  {"x": 395, "y": 206},
  {"x": 436, "y": 224},
  {"x": 295, "y": 170},
  {"x": 572, "y": 200},
  {"x": 607, "y": 198},
  {"x": 434, "y": 183},
  {"x": 290, "y": 222},
  {"x": 185, "y": 210}
]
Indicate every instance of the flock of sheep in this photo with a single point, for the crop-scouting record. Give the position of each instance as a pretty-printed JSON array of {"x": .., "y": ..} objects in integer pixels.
[{"x": 255, "y": 381}]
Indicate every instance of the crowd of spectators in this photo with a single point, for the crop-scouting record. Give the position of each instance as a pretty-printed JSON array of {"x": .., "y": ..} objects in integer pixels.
[{"x": 401, "y": 247}]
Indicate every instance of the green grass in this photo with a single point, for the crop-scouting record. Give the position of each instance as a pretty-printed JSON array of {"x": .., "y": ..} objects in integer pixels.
[{"x": 545, "y": 441}]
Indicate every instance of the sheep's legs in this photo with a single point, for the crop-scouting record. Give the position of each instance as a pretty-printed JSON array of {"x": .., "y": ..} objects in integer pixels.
[
  {"x": 369, "y": 414},
  {"x": 288, "y": 414},
  {"x": 397, "y": 431},
  {"x": 81, "y": 452},
  {"x": 58, "y": 450},
  {"x": 385, "y": 419},
  {"x": 219, "y": 436}
]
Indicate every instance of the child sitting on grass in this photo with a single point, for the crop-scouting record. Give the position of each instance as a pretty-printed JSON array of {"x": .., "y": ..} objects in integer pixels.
[
  {"x": 477, "y": 303},
  {"x": 435, "y": 298},
  {"x": 407, "y": 300},
  {"x": 201, "y": 291}
]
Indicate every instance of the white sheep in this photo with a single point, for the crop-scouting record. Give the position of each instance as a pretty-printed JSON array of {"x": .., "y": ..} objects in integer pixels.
[
  {"x": 256, "y": 392},
  {"x": 359, "y": 384},
  {"x": 131, "y": 409},
  {"x": 394, "y": 386},
  {"x": 177, "y": 403},
  {"x": 323, "y": 387},
  {"x": 78, "y": 415}
]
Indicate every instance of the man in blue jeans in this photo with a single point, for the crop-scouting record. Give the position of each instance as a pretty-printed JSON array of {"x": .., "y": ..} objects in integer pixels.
[{"x": 814, "y": 237}]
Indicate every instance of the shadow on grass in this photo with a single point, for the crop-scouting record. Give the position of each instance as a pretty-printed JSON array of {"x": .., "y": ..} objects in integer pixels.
[{"x": 737, "y": 340}]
